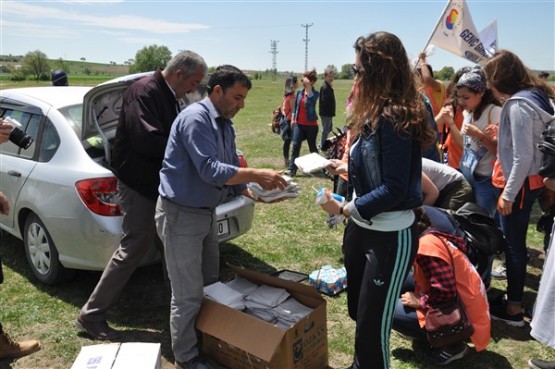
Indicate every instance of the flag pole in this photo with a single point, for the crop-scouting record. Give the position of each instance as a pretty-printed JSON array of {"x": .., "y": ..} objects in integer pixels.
[{"x": 437, "y": 24}]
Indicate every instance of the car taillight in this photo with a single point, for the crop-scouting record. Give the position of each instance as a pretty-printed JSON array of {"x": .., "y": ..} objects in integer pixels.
[
  {"x": 242, "y": 160},
  {"x": 99, "y": 195}
]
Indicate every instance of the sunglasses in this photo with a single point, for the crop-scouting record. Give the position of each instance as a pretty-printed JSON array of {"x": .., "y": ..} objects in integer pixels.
[{"x": 356, "y": 70}]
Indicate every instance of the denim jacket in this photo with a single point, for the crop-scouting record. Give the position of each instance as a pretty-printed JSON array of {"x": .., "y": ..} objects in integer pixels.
[
  {"x": 310, "y": 105},
  {"x": 385, "y": 171}
]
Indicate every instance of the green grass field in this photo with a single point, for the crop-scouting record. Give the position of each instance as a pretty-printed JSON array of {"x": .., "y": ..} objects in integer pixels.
[{"x": 287, "y": 235}]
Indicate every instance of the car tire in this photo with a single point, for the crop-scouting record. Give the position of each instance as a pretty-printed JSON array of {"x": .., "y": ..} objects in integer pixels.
[{"x": 42, "y": 254}]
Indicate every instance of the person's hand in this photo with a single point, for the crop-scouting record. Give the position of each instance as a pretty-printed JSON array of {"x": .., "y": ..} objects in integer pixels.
[
  {"x": 5, "y": 130},
  {"x": 422, "y": 57},
  {"x": 270, "y": 179},
  {"x": 492, "y": 131},
  {"x": 337, "y": 167},
  {"x": 331, "y": 206},
  {"x": 248, "y": 193},
  {"x": 472, "y": 131},
  {"x": 446, "y": 113},
  {"x": 549, "y": 183},
  {"x": 4, "y": 205},
  {"x": 409, "y": 299},
  {"x": 504, "y": 207}
]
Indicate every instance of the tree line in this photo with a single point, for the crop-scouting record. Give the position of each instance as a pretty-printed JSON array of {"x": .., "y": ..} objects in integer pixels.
[{"x": 36, "y": 65}]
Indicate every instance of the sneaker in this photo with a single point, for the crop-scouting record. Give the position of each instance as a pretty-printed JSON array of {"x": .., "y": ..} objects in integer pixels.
[
  {"x": 290, "y": 173},
  {"x": 449, "y": 354},
  {"x": 98, "y": 330},
  {"x": 9, "y": 349},
  {"x": 500, "y": 272},
  {"x": 499, "y": 312},
  {"x": 194, "y": 363},
  {"x": 541, "y": 364}
]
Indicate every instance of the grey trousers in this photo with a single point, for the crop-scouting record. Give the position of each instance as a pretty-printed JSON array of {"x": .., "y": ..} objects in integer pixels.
[
  {"x": 139, "y": 238},
  {"x": 192, "y": 255},
  {"x": 327, "y": 127}
]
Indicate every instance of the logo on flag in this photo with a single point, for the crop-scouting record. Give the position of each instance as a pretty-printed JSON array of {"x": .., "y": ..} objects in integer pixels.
[
  {"x": 455, "y": 32},
  {"x": 451, "y": 19}
]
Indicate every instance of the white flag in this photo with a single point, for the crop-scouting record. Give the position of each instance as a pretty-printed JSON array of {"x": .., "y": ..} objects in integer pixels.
[
  {"x": 488, "y": 36},
  {"x": 455, "y": 32}
]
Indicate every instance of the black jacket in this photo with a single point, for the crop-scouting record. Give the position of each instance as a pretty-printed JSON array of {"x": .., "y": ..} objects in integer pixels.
[
  {"x": 148, "y": 110},
  {"x": 326, "y": 104}
]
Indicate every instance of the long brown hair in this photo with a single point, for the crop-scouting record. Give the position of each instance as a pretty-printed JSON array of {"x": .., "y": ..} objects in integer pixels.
[
  {"x": 508, "y": 75},
  {"x": 387, "y": 86}
]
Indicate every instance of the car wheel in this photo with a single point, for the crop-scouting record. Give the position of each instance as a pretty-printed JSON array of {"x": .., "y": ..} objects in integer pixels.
[{"x": 42, "y": 254}]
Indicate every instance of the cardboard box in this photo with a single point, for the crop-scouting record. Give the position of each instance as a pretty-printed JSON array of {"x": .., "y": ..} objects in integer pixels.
[
  {"x": 136, "y": 355},
  {"x": 238, "y": 340}
]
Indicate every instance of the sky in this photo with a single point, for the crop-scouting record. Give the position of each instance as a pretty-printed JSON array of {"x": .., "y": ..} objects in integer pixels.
[{"x": 241, "y": 32}]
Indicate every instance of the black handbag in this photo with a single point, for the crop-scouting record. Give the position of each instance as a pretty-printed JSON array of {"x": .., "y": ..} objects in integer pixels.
[{"x": 447, "y": 324}]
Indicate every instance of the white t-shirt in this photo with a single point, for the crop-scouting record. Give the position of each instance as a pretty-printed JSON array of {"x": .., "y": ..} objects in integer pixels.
[{"x": 485, "y": 166}]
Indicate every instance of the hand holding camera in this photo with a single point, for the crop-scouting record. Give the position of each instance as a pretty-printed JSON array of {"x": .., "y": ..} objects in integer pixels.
[{"x": 13, "y": 132}]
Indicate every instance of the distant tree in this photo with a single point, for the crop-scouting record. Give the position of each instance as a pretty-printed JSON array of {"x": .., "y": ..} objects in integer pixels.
[
  {"x": 346, "y": 72},
  {"x": 150, "y": 58},
  {"x": 62, "y": 65},
  {"x": 445, "y": 74},
  {"x": 36, "y": 63}
]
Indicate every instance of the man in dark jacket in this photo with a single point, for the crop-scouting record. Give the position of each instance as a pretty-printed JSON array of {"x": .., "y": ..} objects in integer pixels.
[
  {"x": 326, "y": 105},
  {"x": 149, "y": 108}
]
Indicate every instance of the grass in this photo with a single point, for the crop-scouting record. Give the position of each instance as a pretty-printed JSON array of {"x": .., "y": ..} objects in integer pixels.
[{"x": 287, "y": 235}]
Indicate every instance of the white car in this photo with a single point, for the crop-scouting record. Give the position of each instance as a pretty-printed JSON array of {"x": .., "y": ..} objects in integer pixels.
[{"x": 62, "y": 194}]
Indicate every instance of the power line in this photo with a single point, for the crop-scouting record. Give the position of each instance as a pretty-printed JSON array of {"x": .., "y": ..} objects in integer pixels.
[
  {"x": 306, "y": 40},
  {"x": 273, "y": 50}
]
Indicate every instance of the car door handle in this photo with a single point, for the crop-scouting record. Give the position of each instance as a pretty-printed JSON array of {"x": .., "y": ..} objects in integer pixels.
[{"x": 13, "y": 173}]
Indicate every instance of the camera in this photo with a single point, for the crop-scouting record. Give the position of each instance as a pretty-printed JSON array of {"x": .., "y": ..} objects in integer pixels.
[{"x": 17, "y": 136}]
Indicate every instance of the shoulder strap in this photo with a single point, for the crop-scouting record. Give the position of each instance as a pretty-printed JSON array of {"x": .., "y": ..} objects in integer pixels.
[
  {"x": 489, "y": 114},
  {"x": 451, "y": 256}
]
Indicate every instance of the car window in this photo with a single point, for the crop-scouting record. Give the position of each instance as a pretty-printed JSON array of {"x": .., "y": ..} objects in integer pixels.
[
  {"x": 30, "y": 124},
  {"x": 74, "y": 116},
  {"x": 49, "y": 143}
]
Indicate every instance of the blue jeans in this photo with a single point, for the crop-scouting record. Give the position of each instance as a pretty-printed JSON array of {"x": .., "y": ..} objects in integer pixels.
[
  {"x": 405, "y": 320},
  {"x": 514, "y": 227},
  {"x": 486, "y": 194},
  {"x": 286, "y": 132},
  {"x": 301, "y": 133}
]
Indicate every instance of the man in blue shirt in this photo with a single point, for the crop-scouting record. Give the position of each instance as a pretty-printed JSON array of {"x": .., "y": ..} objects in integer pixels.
[{"x": 199, "y": 170}]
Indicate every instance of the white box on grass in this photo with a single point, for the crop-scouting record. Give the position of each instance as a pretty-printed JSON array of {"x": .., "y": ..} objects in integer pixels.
[{"x": 136, "y": 355}]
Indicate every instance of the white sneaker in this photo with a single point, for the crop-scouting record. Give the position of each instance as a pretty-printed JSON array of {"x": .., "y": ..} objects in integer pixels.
[{"x": 499, "y": 272}]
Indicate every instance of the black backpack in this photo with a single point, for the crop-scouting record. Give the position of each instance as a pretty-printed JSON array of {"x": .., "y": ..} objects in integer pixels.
[
  {"x": 547, "y": 147},
  {"x": 547, "y": 143},
  {"x": 482, "y": 233},
  {"x": 277, "y": 116}
]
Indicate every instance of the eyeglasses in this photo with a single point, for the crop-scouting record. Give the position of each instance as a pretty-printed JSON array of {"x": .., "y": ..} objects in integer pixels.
[{"x": 356, "y": 70}]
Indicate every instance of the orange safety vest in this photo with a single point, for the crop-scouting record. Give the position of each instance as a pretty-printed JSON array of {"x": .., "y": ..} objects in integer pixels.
[{"x": 470, "y": 288}]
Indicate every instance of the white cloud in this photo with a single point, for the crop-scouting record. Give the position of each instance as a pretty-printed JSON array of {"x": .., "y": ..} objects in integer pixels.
[
  {"x": 141, "y": 41},
  {"x": 19, "y": 29},
  {"x": 121, "y": 22}
]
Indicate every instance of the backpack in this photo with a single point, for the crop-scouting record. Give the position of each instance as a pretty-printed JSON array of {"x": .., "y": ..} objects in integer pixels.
[
  {"x": 334, "y": 147},
  {"x": 547, "y": 142},
  {"x": 482, "y": 233},
  {"x": 547, "y": 147},
  {"x": 277, "y": 116}
]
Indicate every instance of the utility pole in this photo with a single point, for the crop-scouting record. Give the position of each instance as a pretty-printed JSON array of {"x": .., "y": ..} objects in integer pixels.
[
  {"x": 306, "y": 39},
  {"x": 273, "y": 50}
]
